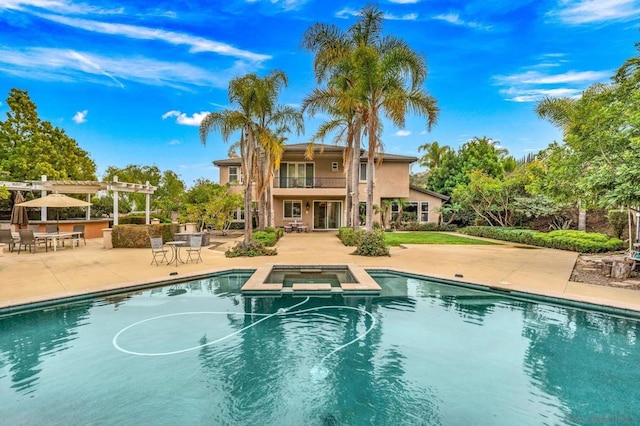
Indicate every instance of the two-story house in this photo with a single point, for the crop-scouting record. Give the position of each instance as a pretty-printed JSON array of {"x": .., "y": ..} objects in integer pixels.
[{"x": 313, "y": 192}]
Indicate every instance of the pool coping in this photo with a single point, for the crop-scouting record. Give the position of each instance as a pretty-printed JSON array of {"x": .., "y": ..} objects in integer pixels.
[{"x": 504, "y": 291}]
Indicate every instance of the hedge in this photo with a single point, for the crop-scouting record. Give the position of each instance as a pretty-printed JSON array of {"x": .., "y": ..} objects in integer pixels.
[
  {"x": 580, "y": 241},
  {"x": 137, "y": 236}
]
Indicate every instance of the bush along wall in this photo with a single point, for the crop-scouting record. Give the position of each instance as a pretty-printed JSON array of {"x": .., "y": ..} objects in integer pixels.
[
  {"x": 137, "y": 236},
  {"x": 582, "y": 242}
]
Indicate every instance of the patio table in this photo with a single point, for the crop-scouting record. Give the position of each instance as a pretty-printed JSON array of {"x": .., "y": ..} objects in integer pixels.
[
  {"x": 54, "y": 237},
  {"x": 175, "y": 251}
]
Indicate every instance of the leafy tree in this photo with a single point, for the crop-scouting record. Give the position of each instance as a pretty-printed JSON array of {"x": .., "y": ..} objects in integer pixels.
[
  {"x": 30, "y": 147},
  {"x": 483, "y": 154},
  {"x": 208, "y": 203},
  {"x": 170, "y": 192}
]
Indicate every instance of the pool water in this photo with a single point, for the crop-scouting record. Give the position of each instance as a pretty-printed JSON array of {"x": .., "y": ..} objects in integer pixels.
[
  {"x": 289, "y": 280},
  {"x": 423, "y": 352}
]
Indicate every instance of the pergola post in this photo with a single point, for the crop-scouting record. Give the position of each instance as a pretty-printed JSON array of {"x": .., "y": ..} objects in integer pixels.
[
  {"x": 115, "y": 202},
  {"x": 43, "y": 210},
  {"x": 147, "y": 199},
  {"x": 88, "y": 214}
]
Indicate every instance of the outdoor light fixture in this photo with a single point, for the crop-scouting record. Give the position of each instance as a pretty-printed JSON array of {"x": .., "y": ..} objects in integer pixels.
[{"x": 308, "y": 206}]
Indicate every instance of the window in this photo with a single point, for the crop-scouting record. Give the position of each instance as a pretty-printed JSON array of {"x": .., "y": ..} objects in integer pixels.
[
  {"x": 424, "y": 211},
  {"x": 296, "y": 175},
  {"x": 238, "y": 215},
  {"x": 292, "y": 209},
  {"x": 363, "y": 171},
  {"x": 410, "y": 212},
  {"x": 395, "y": 210},
  {"x": 235, "y": 176},
  {"x": 334, "y": 166}
]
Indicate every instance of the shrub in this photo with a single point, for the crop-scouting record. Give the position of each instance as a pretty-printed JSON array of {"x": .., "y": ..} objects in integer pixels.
[
  {"x": 579, "y": 241},
  {"x": 372, "y": 244},
  {"x": 253, "y": 249},
  {"x": 267, "y": 239},
  {"x": 349, "y": 237}
]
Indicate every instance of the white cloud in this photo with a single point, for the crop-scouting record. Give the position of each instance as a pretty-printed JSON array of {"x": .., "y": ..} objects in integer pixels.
[
  {"x": 51, "y": 64},
  {"x": 403, "y": 133},
  {"x": 424, "y": 132},
  {"x": 174, "y": 142},
  {"x": 58, "y": 6},
  {"x": 81, "y": 116},
  {"x": 347, "y": 12},
  {"x": 535, "y": 77},
  {"x": 184, "y": 119},
  {"x": 454, "y": 19},
  {"x": 196, "y": 44},
  {"x": 532, "y": 86},
  {"x": 406, "y": 17},
  {"x": 576, "y": 12},
  {"x": 404, "y": 1}
]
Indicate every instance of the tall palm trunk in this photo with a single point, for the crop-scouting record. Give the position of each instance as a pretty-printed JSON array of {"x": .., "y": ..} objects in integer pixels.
[
  {"x": 371, "y": 158},
  {"x": 355, "y": 166},
  {"x": 247, "y": 165},
  {"x": 348, "y": 166}
]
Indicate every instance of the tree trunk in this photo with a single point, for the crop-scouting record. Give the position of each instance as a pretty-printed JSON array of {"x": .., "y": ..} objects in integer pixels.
[
  {"x": 370, "y": 167},
  {"x": 247, "y": 162},
  {"x": 348, "y": 165},
  {"x": 582, "y": 217},
  {"x": 355, "y": 161},
  {"x": 269, "y": 206}
]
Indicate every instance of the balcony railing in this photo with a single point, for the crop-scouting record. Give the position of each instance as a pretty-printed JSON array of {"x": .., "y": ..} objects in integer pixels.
[{"x": 309, "y": 182}]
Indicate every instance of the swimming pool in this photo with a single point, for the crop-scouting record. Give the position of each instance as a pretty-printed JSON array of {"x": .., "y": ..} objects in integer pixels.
[{"x": 423, "y": 352}]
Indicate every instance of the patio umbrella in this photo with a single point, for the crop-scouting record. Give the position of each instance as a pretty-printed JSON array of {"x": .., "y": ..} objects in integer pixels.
[
  {"x": 18, "y": 212},
  {"x": 55, "y": 200}
]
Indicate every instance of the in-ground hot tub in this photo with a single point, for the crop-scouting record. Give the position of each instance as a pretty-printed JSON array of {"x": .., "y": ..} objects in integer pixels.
[{"x": 316, "y": 279}]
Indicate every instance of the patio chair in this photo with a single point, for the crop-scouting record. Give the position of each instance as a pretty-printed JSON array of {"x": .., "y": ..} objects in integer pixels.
[
  {"x": 79, "y": 228},
  {"x": 27, "y": 239},
  {"x": 158, "y": 251},
  {"x": 194, "y": 248},
  {"x": 52, "y": 229},
  {"x": 7, "y": 238}
]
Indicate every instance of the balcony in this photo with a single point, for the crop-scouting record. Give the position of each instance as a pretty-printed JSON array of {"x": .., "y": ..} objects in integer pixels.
[{"x": 323, "y": 182}]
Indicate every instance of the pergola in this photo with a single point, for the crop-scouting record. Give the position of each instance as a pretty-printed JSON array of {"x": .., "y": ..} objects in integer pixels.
[{"x": 85, "y": 187}]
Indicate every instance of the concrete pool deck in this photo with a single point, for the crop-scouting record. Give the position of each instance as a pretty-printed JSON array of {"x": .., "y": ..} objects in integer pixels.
[{"x": 27, "y": 278}]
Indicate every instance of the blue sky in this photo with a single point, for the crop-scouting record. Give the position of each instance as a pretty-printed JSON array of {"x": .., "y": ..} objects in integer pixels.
[{"x": 130, "y": 81}]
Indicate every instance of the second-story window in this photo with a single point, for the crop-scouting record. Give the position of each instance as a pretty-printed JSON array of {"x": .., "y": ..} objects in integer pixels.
[
  {"x": 235, "y": 176},
  {"x": 363, "y": 172}
]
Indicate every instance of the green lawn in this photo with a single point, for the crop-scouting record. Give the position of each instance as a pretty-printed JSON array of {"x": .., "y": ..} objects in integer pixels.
[{"x": 397, "y": 238}]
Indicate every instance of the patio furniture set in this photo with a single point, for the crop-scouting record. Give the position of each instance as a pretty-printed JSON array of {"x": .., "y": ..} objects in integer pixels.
[
  {"x": 28, "y": 239},
  {"x": 296, "y": 227},
  {"x": 159, "y": 250}
]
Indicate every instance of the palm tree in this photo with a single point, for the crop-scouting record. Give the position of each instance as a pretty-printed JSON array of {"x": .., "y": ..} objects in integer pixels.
[
  {"x": 389, "y": 74},
  {"x": 337, "y": 104},
  {"x": 255, "y": 111},
  {"x": 333, "y": 64},
  {"x": 433, "y": 154}
]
